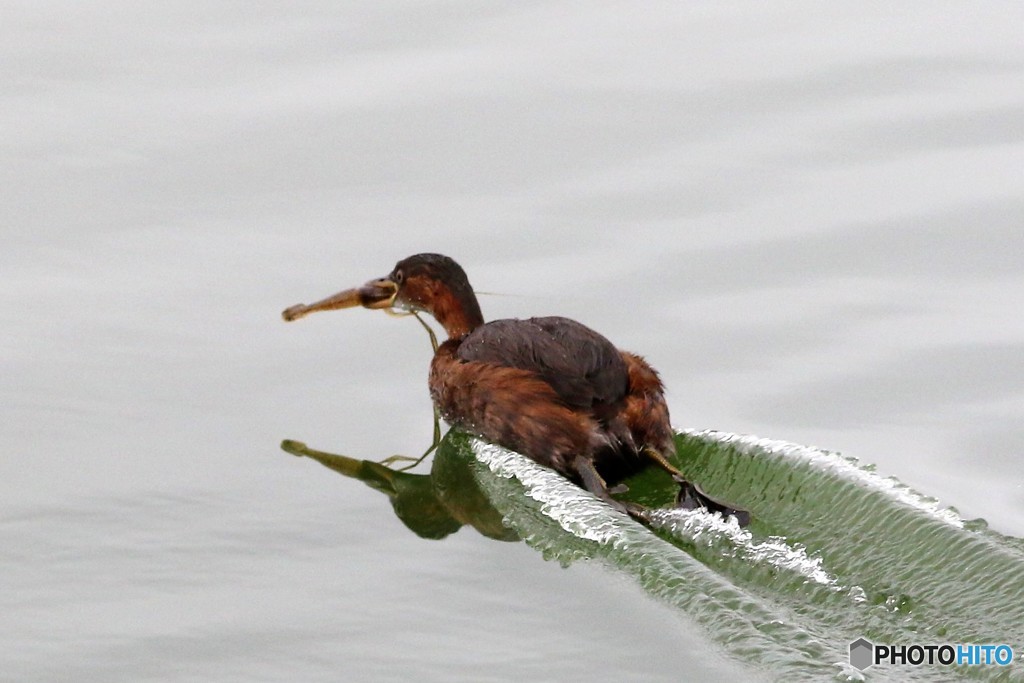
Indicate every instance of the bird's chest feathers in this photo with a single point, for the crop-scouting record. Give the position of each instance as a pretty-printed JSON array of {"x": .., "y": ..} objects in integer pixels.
[
  {"x": 481, "y": 397},
  {"x": 445, "y": 389}
]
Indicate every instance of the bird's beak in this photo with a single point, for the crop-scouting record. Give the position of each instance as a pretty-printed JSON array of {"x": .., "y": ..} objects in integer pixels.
[{"x": 374, "y": 294}]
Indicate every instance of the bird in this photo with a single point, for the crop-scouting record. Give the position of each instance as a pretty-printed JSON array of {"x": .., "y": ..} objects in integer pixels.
[{"x": 549, "y": 388}]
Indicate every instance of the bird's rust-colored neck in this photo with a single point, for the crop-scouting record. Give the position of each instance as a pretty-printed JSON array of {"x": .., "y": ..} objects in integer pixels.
[{"x": 456, "y": 310}]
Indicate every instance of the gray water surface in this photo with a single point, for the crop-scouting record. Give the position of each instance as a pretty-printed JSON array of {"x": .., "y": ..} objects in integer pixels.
[{"x": 809, "y": 218}]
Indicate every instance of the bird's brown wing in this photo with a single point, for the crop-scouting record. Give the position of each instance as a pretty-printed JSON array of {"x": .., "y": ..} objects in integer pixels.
[{"x": 583, "y": 367}]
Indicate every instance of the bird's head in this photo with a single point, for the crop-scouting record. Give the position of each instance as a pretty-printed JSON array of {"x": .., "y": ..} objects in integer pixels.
[{"x": 431, "y": 283}]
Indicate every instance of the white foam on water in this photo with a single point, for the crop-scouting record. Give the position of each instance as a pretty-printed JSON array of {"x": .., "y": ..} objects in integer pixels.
[
  {"x": 575, "y": 510},
  {"x": 846, "y": 467},
  {"x": 579, "y": 513},
  {"x": 660, "y": 566},
  {"x": 707, "y": 528}
]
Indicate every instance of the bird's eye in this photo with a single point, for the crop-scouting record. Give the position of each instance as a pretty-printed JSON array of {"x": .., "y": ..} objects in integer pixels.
[{"x": 399, "y": 277}]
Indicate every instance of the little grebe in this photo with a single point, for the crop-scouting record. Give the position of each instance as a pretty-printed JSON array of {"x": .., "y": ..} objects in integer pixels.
[{"x": 549, "y": 388}]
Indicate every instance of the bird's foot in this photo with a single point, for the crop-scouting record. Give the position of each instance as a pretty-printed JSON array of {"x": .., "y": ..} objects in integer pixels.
[
  {"x": 635, "y": 510},
  {"x": 690, "y": 497}
]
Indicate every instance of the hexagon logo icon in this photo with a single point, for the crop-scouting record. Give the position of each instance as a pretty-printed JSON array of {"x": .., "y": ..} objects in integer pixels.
[{"x": 862, "y": 653}]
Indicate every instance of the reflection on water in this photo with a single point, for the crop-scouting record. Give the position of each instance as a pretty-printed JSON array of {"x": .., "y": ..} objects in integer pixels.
[
  {"x": 835, "y": 551},
  {"x": 438, "y": 504},
  {"x": 430, "y": 505}
]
